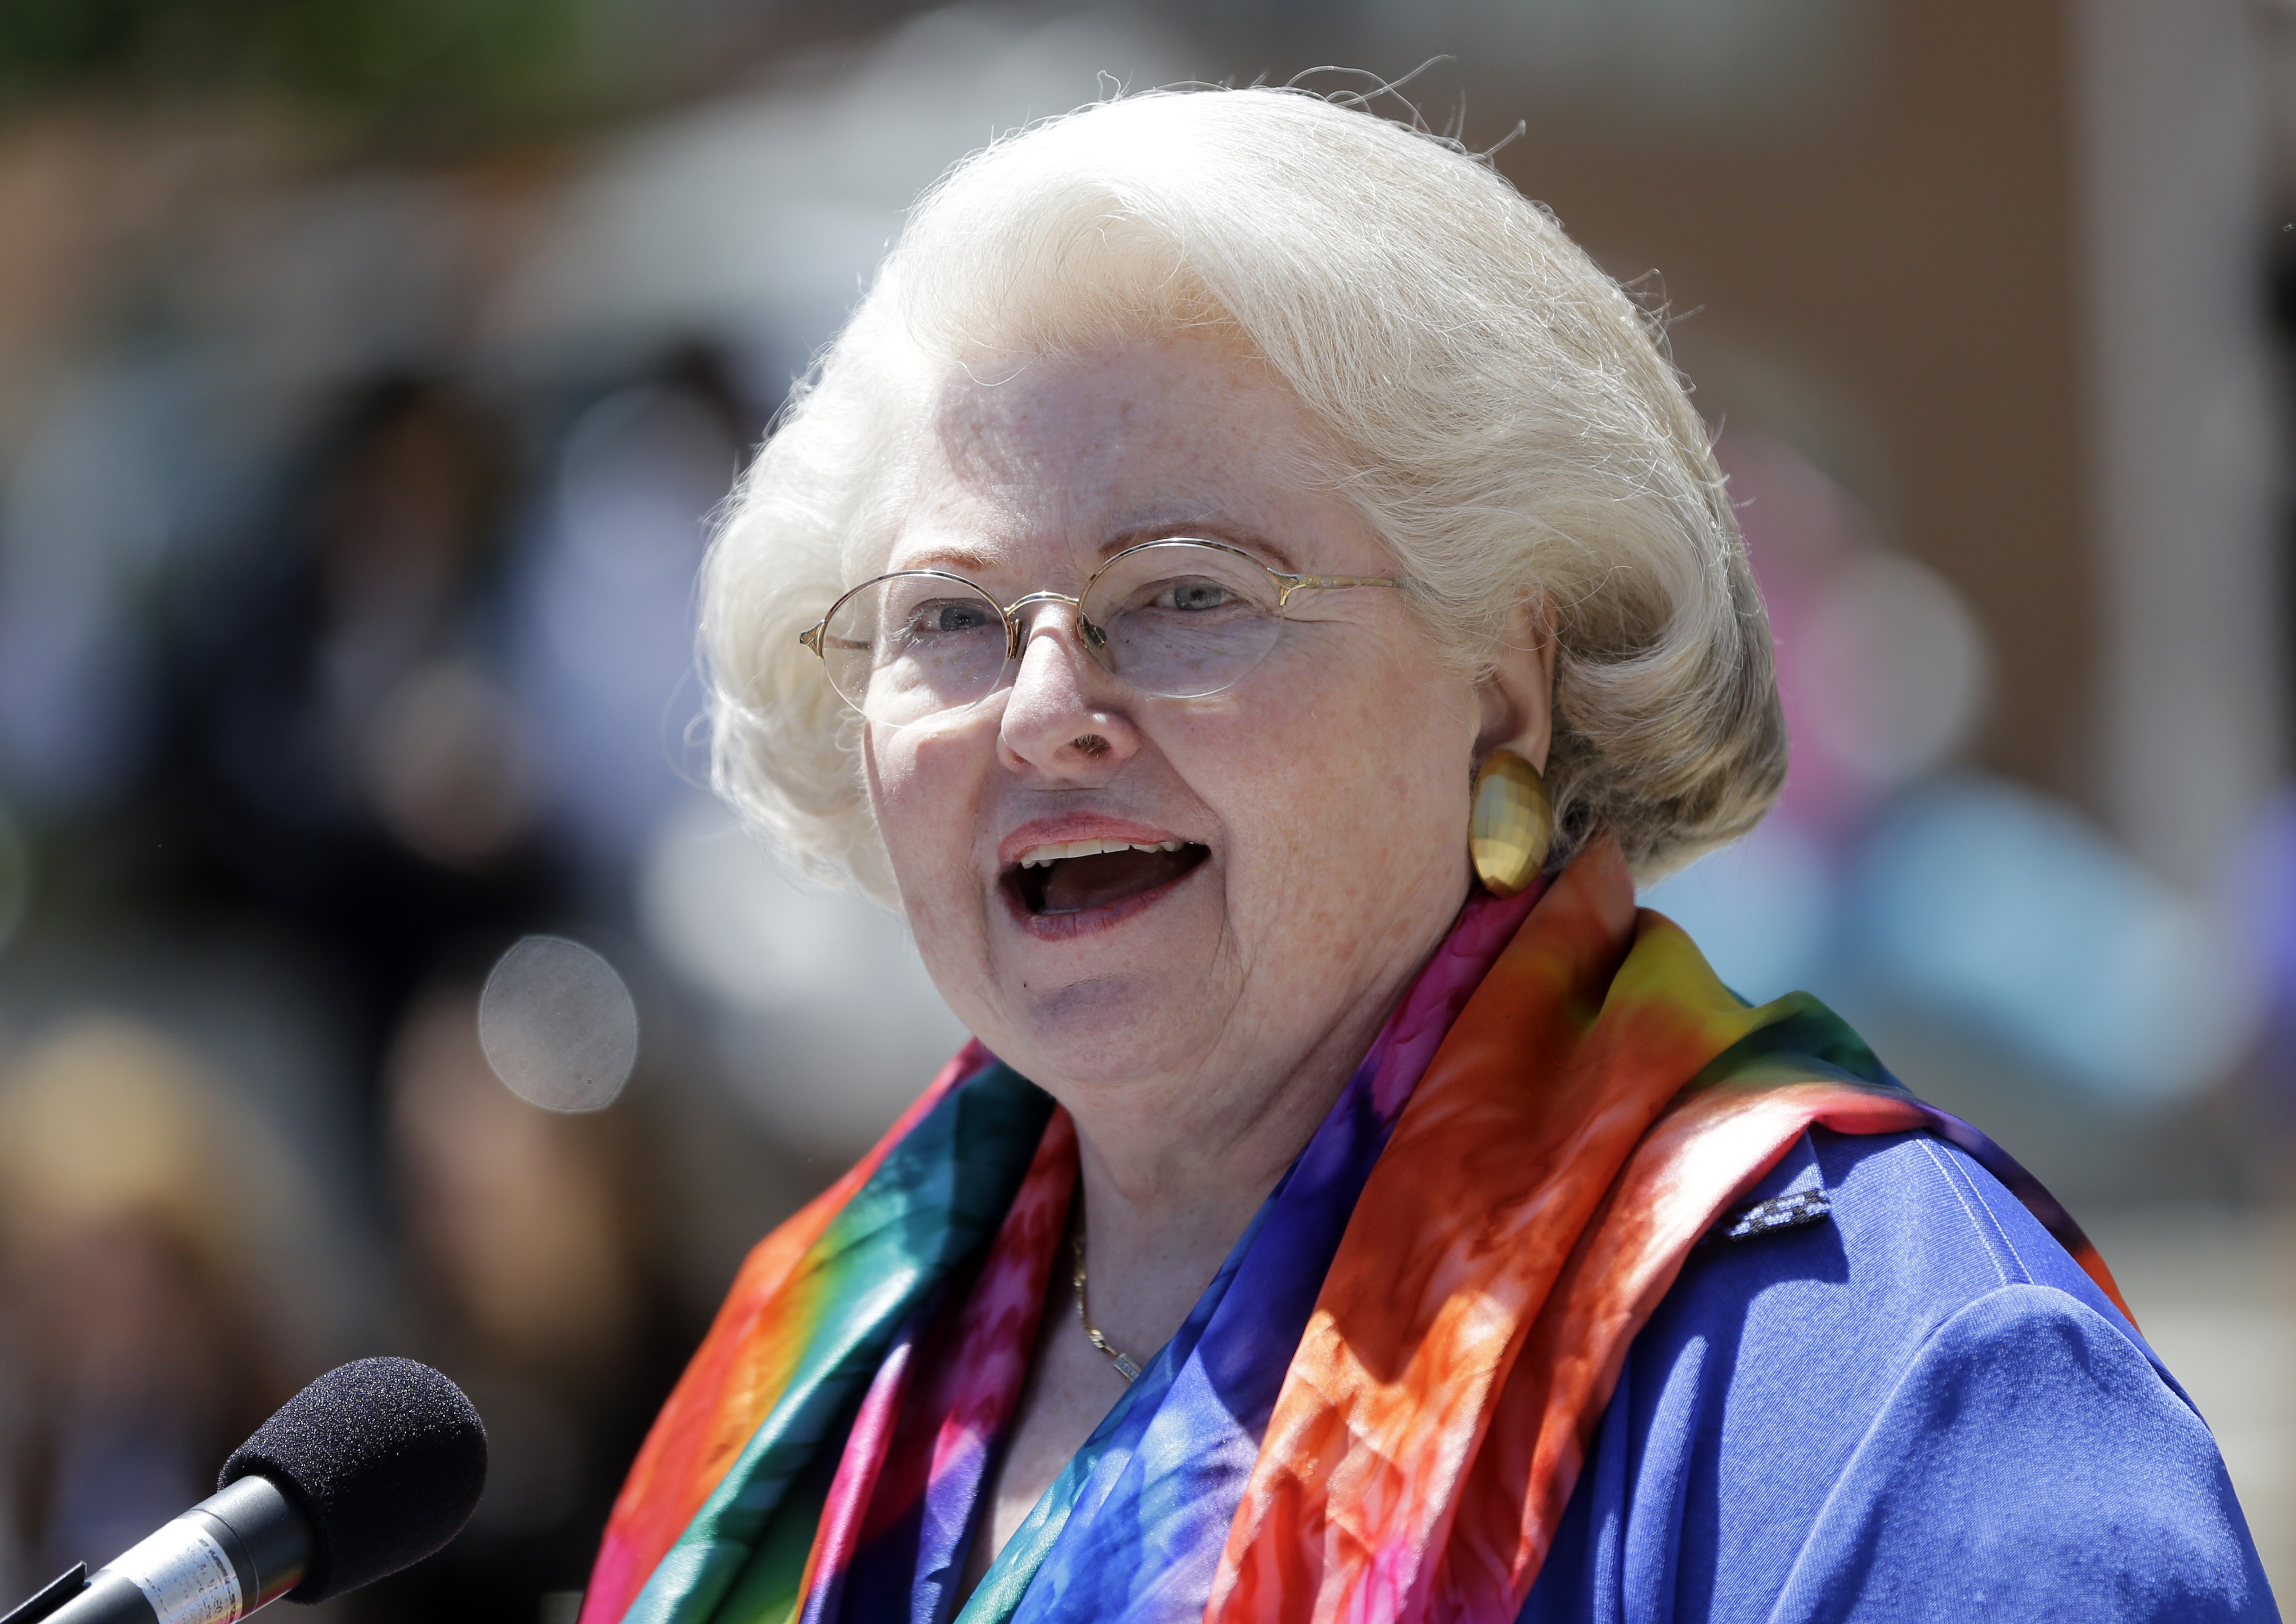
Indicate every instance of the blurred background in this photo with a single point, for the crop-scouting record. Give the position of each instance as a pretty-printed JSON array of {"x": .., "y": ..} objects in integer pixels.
[{"x": 375, "y": 974}]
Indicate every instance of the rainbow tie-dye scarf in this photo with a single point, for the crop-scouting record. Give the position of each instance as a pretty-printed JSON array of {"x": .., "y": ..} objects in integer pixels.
[{"x": 1378, "y": 1408}]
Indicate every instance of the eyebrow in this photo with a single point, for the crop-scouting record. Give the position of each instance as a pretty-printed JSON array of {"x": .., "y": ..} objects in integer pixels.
[
  {"x": 953, "y": 560},
  {"x": 1203, "y": 529},
  {"x": 967, "y": 561}
]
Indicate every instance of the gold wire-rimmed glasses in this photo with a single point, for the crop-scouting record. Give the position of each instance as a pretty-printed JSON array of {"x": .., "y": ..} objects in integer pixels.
[{"x": 1177, "y": 618}]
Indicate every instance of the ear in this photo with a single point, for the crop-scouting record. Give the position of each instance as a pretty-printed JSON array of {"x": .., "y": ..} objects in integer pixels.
[{"x": 1516, "y": 703}]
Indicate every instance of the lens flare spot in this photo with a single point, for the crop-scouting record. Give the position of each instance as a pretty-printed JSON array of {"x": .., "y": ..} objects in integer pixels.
[{"x": 558, "y": 1025}]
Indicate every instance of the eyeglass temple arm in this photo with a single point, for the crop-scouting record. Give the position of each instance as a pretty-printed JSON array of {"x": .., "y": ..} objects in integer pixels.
[{"x": 1291, "y": 583}]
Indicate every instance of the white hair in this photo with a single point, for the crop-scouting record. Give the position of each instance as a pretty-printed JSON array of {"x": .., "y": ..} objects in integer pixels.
[{"x": 1496, "y": 406}]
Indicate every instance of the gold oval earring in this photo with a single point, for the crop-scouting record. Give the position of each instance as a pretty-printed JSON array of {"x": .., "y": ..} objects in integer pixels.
[{"x": 1512, "y": 827}]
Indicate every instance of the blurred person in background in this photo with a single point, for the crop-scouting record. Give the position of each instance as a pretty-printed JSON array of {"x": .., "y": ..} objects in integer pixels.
[
  {"x": 150, "y": 1323},
  {"x": 1258, "y": 598},
  {"x": 342, "y": 750},
  {"x": 601, "y": 607},
  {"x": 527, "y": 1282}
]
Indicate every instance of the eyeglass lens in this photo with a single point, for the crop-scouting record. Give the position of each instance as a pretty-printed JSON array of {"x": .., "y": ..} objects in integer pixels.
[{"x": 1179, "y": 619}]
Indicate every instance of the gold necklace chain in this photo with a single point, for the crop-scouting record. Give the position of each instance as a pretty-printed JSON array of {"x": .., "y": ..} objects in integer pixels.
[{"x": 1125, "y": 1367}]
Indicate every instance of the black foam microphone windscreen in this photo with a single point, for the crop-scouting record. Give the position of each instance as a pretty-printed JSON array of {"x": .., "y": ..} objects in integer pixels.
[{"x": 384, "y": 1457}]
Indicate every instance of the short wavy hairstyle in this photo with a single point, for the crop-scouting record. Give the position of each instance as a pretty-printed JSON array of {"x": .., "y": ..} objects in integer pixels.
[{"x": 1500, "y": 411}]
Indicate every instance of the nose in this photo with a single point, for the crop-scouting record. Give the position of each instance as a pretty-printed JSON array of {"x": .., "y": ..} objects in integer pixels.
[{"x": 1064, "y": 717}]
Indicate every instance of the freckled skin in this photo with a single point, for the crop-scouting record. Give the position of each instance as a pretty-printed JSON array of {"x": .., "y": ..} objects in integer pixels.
[{"x": 1198, "y": 1040}]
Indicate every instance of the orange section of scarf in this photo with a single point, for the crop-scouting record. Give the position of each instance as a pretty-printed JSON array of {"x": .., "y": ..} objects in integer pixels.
[{"x": 1559, "y": 1159}]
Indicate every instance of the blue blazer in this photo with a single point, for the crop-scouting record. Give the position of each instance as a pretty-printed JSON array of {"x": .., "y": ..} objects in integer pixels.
[{"x": 1885, "y": 1393}]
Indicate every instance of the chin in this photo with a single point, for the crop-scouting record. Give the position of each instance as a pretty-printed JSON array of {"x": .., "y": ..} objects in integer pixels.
[
  {"x": 1125, "y": 996},
  {"x": 1102, "y": 1031}
]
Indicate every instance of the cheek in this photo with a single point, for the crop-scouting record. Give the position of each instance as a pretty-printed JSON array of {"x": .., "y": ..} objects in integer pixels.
[
  {"x": 1345, "y": 788},
  {"x": 926, "y": 795},
  {"x": 923, "y": 788}
]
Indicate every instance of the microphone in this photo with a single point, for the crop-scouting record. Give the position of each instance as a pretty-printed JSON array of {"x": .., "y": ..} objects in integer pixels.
[{"x": 371, "y": 1468}]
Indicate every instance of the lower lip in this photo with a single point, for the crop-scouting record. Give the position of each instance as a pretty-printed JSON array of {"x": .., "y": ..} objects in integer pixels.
[{"x": 1091, "y": 922}]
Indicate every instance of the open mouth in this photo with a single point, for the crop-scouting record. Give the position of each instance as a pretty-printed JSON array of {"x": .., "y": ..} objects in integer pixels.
[{"x": 1077, "y": 876}]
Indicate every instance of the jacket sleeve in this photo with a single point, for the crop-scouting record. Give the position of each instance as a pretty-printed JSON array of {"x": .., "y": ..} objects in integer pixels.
[{"x": 2030, "y": 1465}]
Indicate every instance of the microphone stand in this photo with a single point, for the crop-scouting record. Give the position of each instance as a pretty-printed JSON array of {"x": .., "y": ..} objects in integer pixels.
[{"x": 56, "y": 1595}]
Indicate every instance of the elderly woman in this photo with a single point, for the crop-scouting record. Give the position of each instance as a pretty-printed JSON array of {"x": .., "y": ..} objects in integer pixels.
[{"x": 1256, "y": 597}]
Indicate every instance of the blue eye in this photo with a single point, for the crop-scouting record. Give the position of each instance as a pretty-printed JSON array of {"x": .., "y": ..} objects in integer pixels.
[
  {"x": 939, "y": 619},
  {"x": 1198, "y": 596}
]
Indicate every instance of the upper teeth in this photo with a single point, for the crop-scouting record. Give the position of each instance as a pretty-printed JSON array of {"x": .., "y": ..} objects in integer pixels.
[{"x": 1037, "y": 856}]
